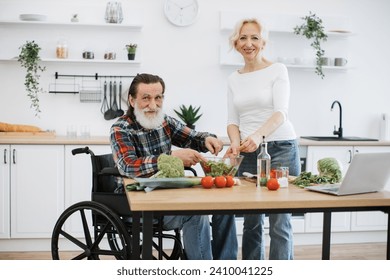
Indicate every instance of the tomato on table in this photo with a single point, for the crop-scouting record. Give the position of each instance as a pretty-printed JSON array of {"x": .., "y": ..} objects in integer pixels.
[
  {"x": 273, "y": 184},
  {"x": 207, "y": 182},
  {"x": 229, "y": 181},
  {"x": 220, "y": 181}
]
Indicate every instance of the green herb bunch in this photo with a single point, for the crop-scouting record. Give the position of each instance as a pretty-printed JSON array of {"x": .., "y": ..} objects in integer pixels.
[
  {"x": 313, "y": 29},
  {"x": 29, "y": 59}
]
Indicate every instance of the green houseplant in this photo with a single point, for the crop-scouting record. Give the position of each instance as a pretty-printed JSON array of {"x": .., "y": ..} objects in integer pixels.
[
  {"x": 189, "y": 115},
  {"x": 29, "y": 59},
  {"x": 131, "y": 50},
  {"x": 313, "y": 30}
]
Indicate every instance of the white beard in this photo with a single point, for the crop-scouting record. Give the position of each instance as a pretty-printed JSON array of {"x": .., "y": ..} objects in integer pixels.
[{"x": 147, "y": 122}]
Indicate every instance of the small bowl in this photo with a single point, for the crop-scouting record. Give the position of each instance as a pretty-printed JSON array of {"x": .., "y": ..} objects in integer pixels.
[{"x": 217, "y": 166}]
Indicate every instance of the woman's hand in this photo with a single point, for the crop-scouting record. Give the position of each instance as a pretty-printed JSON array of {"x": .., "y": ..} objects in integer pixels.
[
  {"x": 232, "y": 151},
  {"x": 250, "y": 144}
]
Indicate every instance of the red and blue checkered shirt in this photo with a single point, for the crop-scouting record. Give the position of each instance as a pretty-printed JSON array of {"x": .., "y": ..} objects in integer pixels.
[{"x": 136, "y": 149}]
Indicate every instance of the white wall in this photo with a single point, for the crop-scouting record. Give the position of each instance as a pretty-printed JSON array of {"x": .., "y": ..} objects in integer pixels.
[{"x": 188, "y": 60}]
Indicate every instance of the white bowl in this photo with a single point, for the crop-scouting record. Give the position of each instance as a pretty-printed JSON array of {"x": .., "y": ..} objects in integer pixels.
[{"x": 32, "y": 17}]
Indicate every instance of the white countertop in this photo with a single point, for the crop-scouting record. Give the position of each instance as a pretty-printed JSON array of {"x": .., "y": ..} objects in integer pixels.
[{"x": 104, "y": 140}]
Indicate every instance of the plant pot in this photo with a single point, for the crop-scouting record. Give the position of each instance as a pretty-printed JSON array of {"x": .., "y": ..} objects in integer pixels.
[
  {"x": 131, "y": 56},
  {"x": 192, "y": 126}
]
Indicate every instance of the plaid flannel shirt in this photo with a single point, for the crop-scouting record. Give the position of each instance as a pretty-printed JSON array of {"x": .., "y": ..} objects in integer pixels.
[{"x": 136, "y": 149}]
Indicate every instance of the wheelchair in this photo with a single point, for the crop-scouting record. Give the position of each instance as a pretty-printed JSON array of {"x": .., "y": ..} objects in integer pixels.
[{"x": 102, "y": 228}]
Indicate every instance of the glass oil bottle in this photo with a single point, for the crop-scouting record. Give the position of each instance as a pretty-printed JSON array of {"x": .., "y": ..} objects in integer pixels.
[{"x": 263, "y": 165}]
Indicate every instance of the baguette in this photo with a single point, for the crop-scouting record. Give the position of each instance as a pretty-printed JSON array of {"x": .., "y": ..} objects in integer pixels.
[{"x": 6, "y": 127}]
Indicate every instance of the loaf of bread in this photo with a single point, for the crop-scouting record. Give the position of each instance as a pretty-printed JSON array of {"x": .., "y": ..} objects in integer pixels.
[{"x": 7, "y": 127}]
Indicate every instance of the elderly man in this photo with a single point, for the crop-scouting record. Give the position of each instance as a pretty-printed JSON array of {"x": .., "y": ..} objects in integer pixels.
[{"x": 142, "y": 135}]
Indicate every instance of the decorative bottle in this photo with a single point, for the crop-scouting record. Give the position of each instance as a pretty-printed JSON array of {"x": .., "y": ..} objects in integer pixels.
[{"x": 263, "y": 165}]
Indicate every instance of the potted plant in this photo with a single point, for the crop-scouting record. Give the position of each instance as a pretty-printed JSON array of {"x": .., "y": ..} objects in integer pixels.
[
  {"x": 131, "y": 50},
  {"x": 313, "y": 30},
  {"x": 189, "y": 115},
  {"x": 29, "y": 59}
]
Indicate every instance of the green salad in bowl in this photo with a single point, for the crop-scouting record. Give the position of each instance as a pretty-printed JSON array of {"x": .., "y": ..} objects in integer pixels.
[{"x": 217, "y": 166}]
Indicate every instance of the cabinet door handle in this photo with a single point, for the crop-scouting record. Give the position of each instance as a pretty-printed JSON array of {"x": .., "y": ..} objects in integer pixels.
[
  {"x": 5, "y": 156},
  {"x": 350, "y": 156},
  {"x": 14, "y": 156}
]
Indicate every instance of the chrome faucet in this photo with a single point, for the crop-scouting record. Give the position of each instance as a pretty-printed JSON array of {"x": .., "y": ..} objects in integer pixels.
[{"x": 338, "y": 132}]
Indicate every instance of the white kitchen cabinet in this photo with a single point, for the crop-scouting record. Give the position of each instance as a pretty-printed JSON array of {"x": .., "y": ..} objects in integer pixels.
[
  {"x": 78, "y": 178},
  {"x": 32, "y": 188},
  {"x": 355, "y": 221},
  {"x": 5, "y": 191}
]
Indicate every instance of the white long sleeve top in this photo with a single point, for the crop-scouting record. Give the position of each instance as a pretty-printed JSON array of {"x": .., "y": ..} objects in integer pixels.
[{"x": 254, "y": 96}]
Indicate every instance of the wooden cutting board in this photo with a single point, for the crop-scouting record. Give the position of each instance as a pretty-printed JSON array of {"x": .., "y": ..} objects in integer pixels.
[{"x": 28, "y": 134}]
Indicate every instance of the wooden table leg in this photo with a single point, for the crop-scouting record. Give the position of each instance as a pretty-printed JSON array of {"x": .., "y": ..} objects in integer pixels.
[
  {"x": 388, "y": 237},
  {"x": 326, "y": 235}
]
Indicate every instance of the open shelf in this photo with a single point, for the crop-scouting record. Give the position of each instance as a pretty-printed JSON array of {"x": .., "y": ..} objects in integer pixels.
[{"x": 135, "y": 26}]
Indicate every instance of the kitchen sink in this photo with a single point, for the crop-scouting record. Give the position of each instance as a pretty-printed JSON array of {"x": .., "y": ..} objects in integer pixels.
[{"x": 335, "y": 138}]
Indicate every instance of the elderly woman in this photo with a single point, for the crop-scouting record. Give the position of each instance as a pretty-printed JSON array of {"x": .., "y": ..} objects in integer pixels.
[{"x": 258, "y": 99}]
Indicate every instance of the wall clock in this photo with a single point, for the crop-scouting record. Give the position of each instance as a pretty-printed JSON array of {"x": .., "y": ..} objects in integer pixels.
[{"x": 181, "y": 12}]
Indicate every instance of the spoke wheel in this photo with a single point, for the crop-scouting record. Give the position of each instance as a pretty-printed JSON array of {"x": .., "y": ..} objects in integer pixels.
[{"x": 90, "y": 230}]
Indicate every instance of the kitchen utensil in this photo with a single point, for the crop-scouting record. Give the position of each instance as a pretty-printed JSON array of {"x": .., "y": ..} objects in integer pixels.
[
  {"x": 114, "y": 103},
  {"x": 109, "y": 114},
  {"x": 120, "y": 112},
  {"x": 249, "y": 175},
  {"x": 105, "y": 106}
]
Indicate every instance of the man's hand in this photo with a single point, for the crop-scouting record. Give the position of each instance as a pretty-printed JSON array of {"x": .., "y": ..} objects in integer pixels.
[
  {"x": 214, "y": 145},
  {"x": 188, "y": 156}
]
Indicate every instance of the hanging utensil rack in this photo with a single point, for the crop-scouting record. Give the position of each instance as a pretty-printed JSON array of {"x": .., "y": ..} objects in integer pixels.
[{"x": 75, "y": 87}]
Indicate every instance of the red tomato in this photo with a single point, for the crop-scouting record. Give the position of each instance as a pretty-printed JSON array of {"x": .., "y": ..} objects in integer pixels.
[
  {"x": 220, "y": 181},
  {"x": 273, "y": 173},
  {"x": 229, "y": 181},
  {"x": 207, "y": 182},
  {"x": 273, "y": 184}
]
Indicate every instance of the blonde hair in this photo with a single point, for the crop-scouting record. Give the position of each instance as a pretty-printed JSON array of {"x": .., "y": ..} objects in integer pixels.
[{"x": 236, "y": 31}]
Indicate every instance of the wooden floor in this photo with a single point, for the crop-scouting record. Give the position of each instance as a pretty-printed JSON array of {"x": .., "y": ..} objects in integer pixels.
[{"x": 365, "y": 251}]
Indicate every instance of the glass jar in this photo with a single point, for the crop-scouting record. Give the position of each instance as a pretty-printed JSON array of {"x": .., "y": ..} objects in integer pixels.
[
  {"x": 114, "y": 12},
  {"x": 62, "y": 49}
]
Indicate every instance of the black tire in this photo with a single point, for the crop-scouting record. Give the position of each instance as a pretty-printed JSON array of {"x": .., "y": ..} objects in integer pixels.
[{"x": 97, "y": 221}]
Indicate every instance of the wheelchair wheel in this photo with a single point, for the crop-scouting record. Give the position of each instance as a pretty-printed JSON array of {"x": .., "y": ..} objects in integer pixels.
[
  {"x": 87, "y": 230},
  {"x": 177, "y": 251}
]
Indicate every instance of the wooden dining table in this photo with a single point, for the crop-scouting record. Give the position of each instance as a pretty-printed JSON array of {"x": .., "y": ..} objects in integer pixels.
[{"x": 244, "y": 198}]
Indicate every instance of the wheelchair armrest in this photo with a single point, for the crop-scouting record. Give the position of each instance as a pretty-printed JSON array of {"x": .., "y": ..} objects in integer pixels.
[
  {"x": 191, "y": 169},
  {"x": 110, "y": 171}
]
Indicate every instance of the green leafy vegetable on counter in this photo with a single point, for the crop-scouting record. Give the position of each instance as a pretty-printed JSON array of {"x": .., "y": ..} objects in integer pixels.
[
  {"x": 329, "y": 172},
  {"x": 330, "y": 168},
  {"x": 168, "y": 167}
]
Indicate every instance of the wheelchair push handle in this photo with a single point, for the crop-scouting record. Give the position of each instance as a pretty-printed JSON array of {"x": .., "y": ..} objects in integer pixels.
[{"x": 84, "y": 150}]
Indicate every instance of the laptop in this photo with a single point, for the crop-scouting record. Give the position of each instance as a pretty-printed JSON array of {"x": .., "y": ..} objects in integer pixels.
[{"x": 367, "y": 173}]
